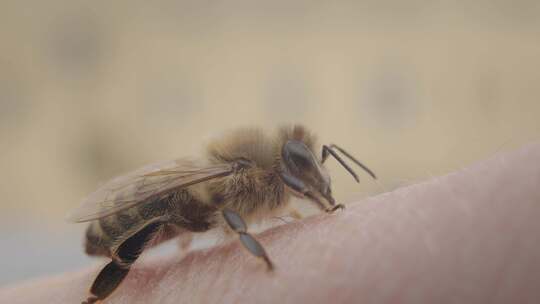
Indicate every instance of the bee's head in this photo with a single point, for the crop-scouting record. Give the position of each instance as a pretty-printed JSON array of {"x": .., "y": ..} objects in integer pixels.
[{"x": 303, "y": 173}]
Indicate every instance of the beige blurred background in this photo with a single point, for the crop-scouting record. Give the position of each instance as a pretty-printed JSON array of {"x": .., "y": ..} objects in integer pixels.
[{"x": 90, "y": 89}]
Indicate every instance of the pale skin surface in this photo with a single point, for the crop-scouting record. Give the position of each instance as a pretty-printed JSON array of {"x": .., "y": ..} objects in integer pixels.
[{"x": 470, "y": 237}]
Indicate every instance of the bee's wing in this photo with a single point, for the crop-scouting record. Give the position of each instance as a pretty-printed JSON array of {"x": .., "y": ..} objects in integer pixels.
[{"x": 138, "y": 186}]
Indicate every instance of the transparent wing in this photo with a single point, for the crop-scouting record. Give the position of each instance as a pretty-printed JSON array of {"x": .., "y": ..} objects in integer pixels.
[{"x": 138, "y": 186}]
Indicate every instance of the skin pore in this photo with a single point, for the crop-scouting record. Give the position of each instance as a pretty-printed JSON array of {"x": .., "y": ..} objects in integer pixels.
[{"x": 468, "y": 237}]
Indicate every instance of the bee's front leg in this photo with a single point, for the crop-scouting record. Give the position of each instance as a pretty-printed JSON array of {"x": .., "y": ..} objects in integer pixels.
[
  {"x": 184, "y": 241},
  {"x": 235, "y": 221},
  {"x": 300, "y": 187},
  {"x": 336, "y": 207}
]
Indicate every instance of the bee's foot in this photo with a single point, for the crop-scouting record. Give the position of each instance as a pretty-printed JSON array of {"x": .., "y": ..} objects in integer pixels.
[
  {"x": 336, "y": 207},
  {"x": 91, "y": 300}
]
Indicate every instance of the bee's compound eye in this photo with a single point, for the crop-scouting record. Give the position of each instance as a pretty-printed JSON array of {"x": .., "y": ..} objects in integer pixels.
[{"x": 297, "y": 155}]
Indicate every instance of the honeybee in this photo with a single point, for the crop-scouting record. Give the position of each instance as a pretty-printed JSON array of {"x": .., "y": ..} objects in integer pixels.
[{"x": 245, "y": 177}]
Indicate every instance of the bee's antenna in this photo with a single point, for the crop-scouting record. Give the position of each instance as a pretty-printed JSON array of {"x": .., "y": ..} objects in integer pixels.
[
  {"x": 329, "y": 149},
  {"x": 356, "y": 161}
]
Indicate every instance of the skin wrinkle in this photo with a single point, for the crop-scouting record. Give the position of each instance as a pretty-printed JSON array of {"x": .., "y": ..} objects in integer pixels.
[{"x": 480, "y": 222}]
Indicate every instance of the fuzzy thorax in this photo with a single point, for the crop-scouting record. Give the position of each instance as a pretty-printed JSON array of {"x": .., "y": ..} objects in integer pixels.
[{"x": 258, "y": 189}]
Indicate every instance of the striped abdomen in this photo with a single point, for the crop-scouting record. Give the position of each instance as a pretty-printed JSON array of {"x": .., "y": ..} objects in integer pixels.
[{"x": 182, "y": 210}]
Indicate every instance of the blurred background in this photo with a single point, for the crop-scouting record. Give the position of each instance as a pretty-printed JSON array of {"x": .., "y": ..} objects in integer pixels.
[{"x": 92, "y": 89}]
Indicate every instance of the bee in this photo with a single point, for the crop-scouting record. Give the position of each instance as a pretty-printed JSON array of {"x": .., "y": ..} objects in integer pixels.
[{"x": 246, "y": 177}]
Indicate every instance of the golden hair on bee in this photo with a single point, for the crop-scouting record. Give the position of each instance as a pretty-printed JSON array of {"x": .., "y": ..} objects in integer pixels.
[{"x": 246, "y": 176}]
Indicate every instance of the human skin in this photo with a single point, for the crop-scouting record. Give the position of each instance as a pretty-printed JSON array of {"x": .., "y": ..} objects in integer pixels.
[{"x": 469, "y": 237}]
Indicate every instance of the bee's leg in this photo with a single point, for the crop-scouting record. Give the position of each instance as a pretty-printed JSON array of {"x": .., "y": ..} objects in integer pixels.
[
  {"x": 295, "y": 214},
  {"x": 250, "y": 243},
  {"x": 184, "y": 240},
  {"x": 299, "y": 186},
  {"x": 110, "y": 277},
  {"x": 335, "y": 207}
]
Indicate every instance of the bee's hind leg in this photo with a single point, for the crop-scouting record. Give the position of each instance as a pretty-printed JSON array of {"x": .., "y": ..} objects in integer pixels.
[
  {"x": 110, "y": 277},
  {"x": 250, "y": 243}
]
